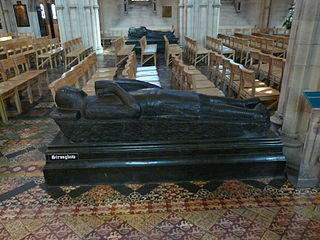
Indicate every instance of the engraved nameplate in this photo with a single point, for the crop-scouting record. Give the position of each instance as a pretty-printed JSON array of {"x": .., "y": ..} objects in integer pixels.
[{"x": 65, "y": 156}]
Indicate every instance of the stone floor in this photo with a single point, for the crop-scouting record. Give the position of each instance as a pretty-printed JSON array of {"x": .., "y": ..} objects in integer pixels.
[{"x": 251, "y": 209}]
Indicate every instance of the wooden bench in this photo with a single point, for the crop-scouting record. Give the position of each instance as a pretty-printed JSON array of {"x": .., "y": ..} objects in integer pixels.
[
  {"x": 17, "y": 78},
  {"x": 122, "y": 51},
  {"x": 49, "y": 52},
  {"x": 148, "y": 51},
  {"x": 171, "y": 50},
  {"x": 75, "y": 51},
  {"x": 88, "y": 71}
]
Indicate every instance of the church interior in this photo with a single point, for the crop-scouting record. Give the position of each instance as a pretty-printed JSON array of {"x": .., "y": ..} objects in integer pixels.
[{"x": 160, "y": 119}]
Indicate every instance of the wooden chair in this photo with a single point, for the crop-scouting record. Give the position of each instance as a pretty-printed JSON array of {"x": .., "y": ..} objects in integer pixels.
[
  {"x": 199, "y": 54},
  {"x": 122, "y": 51},
  {"x": 235, "y": 79},
  {"x": 277, "y": 71},
  {"x": 199, "y": 83},
  {"x": 264, "y": 66},
  {"x": 249, "y": 89},
  {"x": 255, "y": 62},
  {"x": 171, "y": 50},
  {"x": 148, "y": 51}
]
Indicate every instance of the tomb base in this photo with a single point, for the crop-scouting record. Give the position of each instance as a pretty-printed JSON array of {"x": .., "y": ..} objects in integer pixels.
[{"x": 153, "y": 162}]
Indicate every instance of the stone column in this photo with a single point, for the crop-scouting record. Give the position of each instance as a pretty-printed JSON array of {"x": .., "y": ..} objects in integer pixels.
[
  {"x": 214, "y": 28},
  {"x": 190, "y": 19},
  {"x": 9, "y": 16},
  {"x": 79, "y": 18},
  {"x": 302, "y": 72},
  {"x": 265, "y": 13},
  {"x": 181, "y": 21},
  {"x": 202, "y": 19},
  {"x": 96, "y": 29}
]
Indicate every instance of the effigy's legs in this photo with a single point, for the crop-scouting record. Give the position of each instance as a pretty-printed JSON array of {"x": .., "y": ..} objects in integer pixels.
[
  {"x": 248, "y": 103},
  {"x": 232, "y": 112}
]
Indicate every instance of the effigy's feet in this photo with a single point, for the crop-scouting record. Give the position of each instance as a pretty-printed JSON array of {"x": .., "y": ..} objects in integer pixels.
[
  {"x": 251, "y": 102},
  {"x": 263, "y": 110}
]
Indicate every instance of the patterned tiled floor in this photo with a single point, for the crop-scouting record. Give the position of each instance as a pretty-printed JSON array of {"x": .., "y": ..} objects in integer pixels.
[{"x": 256, "y": 209}]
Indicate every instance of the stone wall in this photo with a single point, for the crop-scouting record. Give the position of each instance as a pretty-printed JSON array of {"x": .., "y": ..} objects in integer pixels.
[
  {"x": 250, "y": 13},
  {"x": 8, "y": 19},
  {"x": 114, "y": 18}
]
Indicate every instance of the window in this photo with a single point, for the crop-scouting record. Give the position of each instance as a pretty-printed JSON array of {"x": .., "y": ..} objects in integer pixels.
[
  {"x": 43, "y": 12},
  {"x": 53, "y": 10}
]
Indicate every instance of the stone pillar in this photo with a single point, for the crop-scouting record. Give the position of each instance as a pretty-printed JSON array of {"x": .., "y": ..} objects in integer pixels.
[
  {"x": 216, "y": 17},
  {"x": 9, "y": 16},
  {"x": 96, "y": 27},
  {"x": 309, "y": 172},
  {"x": 202, "y": 19},
  {"x": 265, "y": 13},
  {"x": 79, "y": 18},
  {"x": 190, "y": 20},
  {"x": 181, "y": 21},
  {"x": 301, "y": 73}
]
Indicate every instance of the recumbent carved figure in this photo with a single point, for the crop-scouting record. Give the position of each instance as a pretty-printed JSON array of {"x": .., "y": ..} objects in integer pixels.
[{"x": 129, "y": 110}]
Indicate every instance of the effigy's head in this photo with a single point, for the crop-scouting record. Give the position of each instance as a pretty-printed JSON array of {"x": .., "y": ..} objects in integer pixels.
[{"x": 70, "y": 98}]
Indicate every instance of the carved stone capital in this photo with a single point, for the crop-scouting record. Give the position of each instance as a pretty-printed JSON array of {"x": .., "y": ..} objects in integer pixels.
[{"x": 216, "y": 5}]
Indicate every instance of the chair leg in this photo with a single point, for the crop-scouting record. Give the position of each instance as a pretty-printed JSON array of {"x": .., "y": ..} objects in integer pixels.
[
  {"x": 39, "y": 87},
  {"x": 29, "y": 92},
  {"x": 3, "y": 111},
  {"x": 17, "y": 102}
]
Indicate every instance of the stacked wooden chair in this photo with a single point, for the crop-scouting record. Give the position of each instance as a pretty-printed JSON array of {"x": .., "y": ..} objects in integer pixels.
[
  {"x": 148, "y": 52},
  {"x": 171, "y": 50},
  {"x": 122, "y": 51}
]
